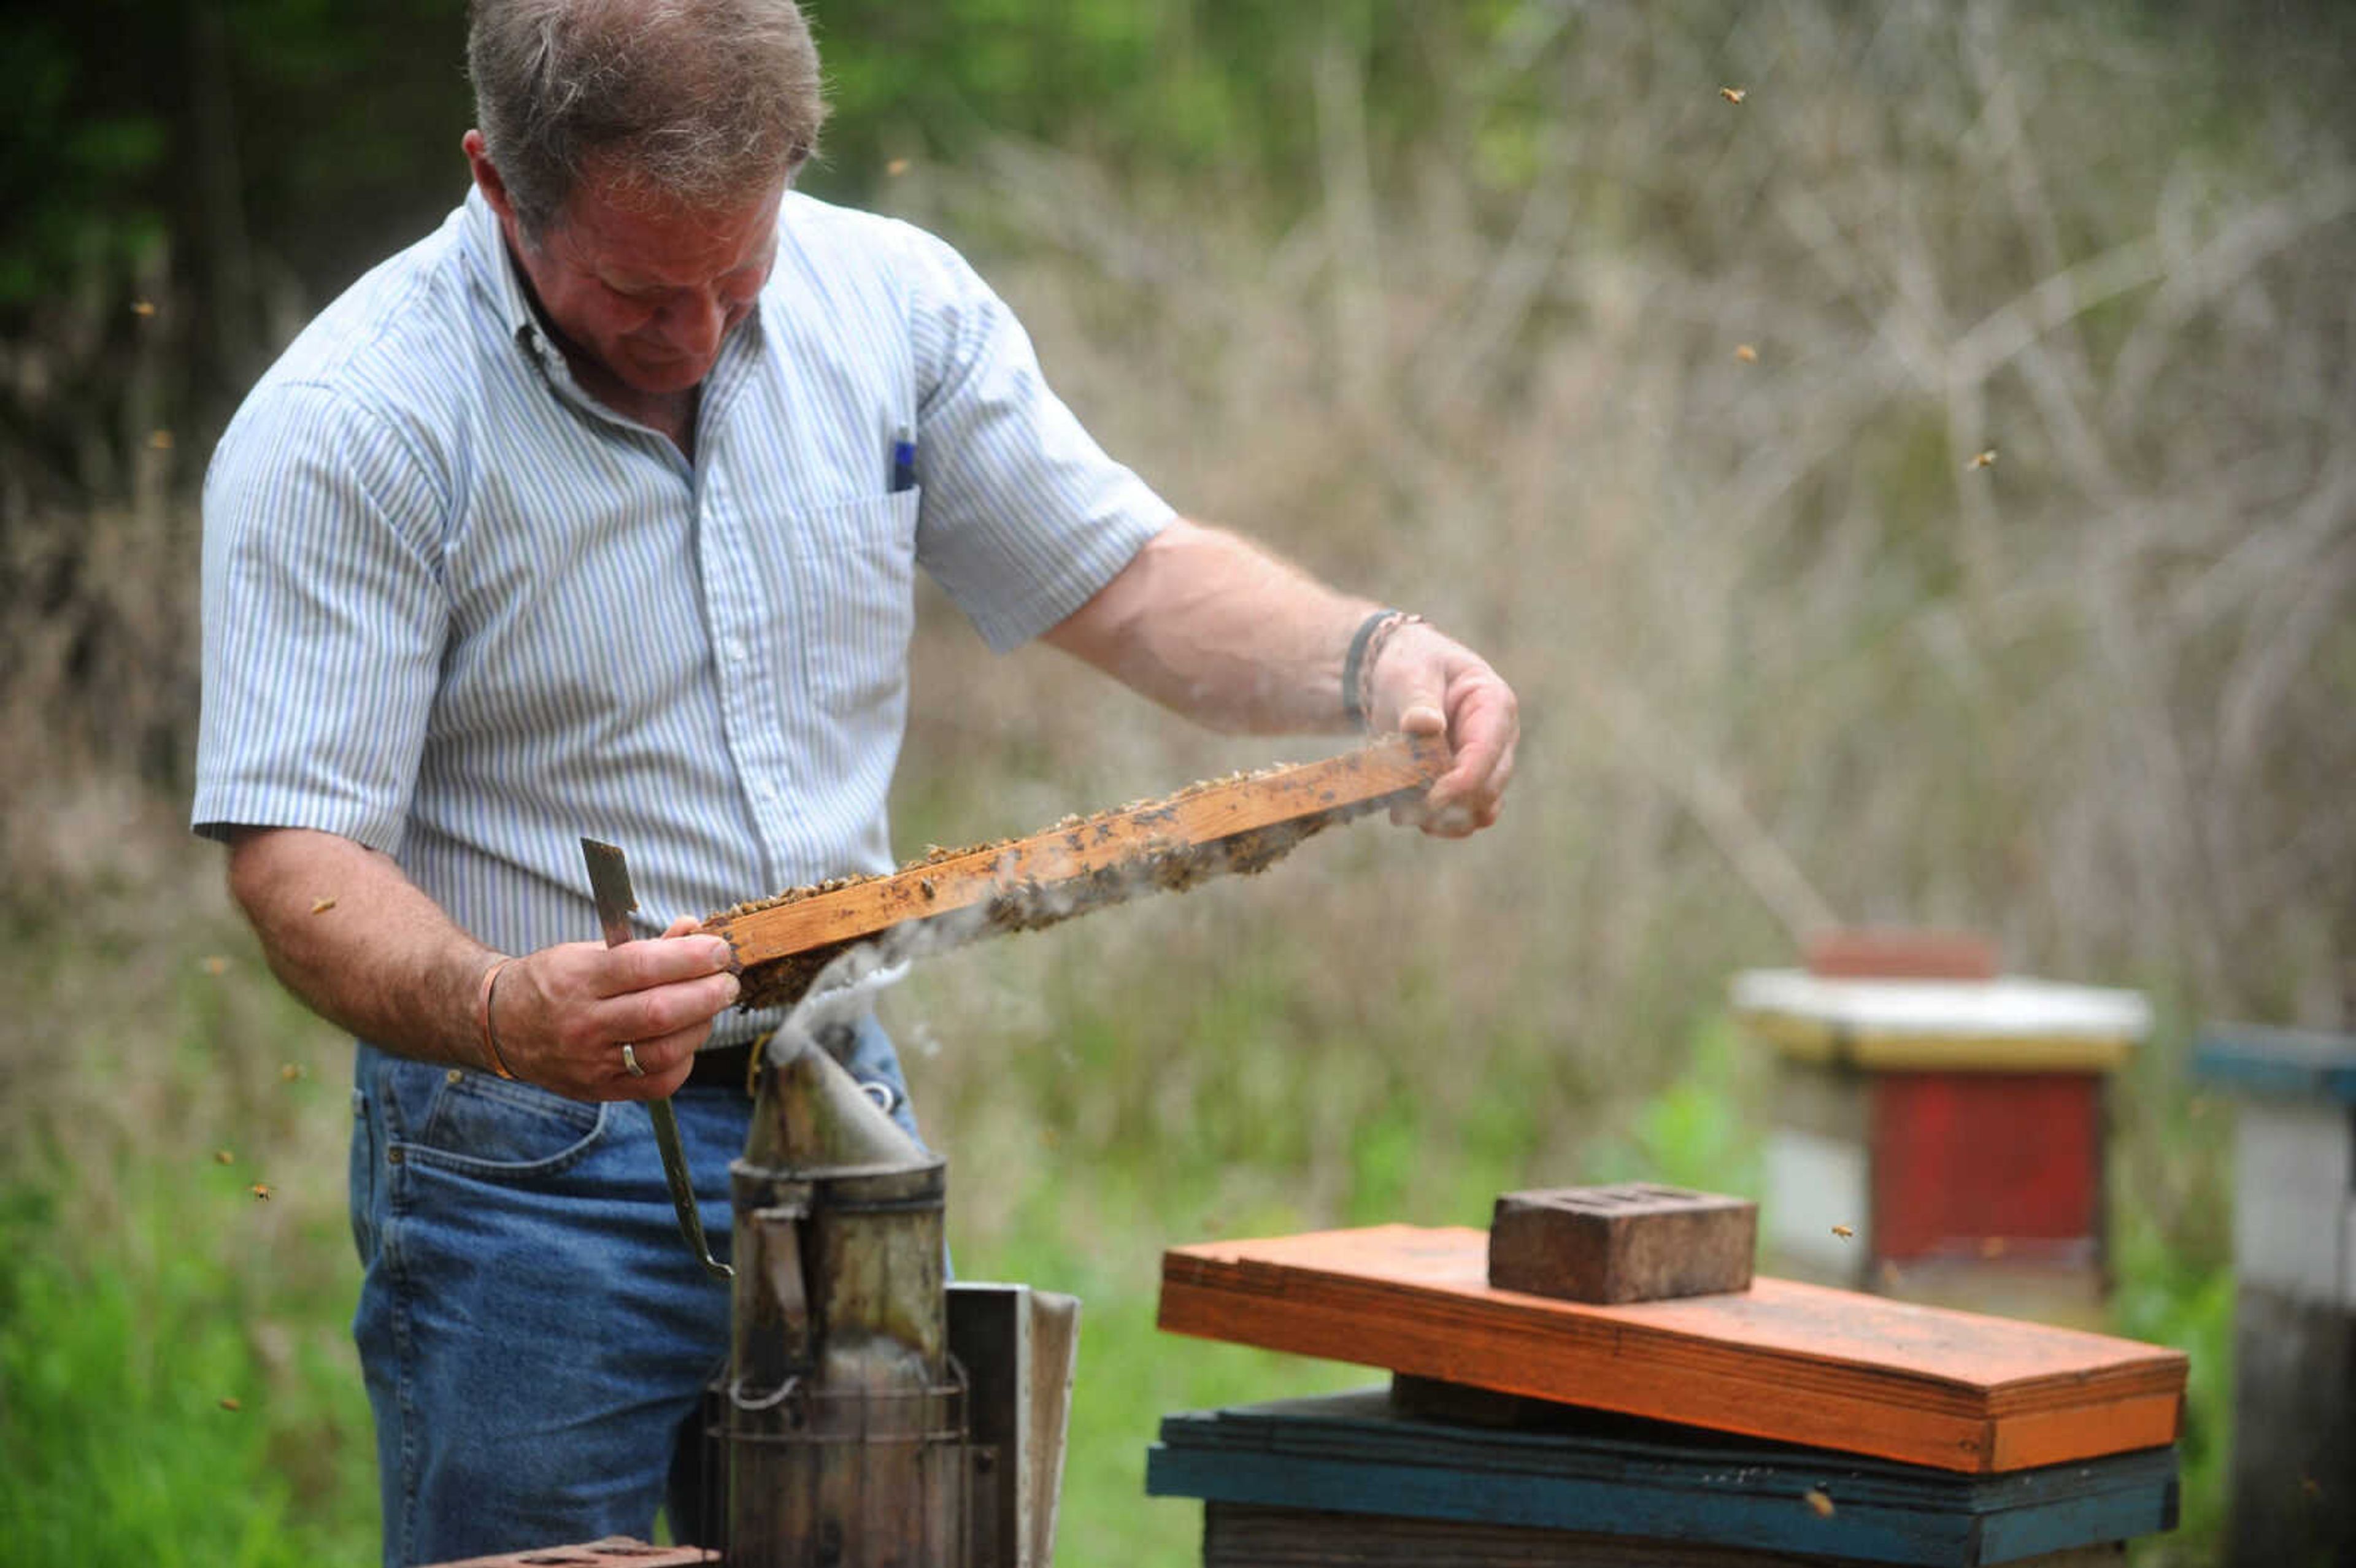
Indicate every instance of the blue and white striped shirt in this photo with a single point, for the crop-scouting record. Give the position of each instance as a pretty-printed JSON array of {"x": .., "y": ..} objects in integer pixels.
[{"x": 457, "y": 610}]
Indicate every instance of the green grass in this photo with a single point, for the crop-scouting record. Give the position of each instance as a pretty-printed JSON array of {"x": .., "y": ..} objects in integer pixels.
[
  {"x": 164, "y": 1404},
  {"x": 176, "y": 1383}
]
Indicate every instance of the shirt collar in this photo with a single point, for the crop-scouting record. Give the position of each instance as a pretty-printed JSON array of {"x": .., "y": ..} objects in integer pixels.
[{"x": 494, "y": 272}]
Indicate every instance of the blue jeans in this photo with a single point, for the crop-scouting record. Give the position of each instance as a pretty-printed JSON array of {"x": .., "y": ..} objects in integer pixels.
[{"x": 535, "y": 1334}]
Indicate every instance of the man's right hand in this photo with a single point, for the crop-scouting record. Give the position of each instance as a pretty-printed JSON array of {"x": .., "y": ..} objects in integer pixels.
[{"x": 563, "y": 1014}]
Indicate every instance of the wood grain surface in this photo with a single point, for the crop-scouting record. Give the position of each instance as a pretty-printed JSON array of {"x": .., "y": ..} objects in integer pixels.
[
  {"x": 1792, "y": 1363},
  {"x": 1235, "y": 825}
]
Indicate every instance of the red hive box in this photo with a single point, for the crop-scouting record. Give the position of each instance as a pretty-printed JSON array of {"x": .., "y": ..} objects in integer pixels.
[{"x": 1939, "y": 1137}]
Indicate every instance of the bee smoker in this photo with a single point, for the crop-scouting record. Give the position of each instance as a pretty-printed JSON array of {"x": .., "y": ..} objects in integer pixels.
[
  {"x": 845, "y": 1416},
  {"x": 849, "y": 1434}
]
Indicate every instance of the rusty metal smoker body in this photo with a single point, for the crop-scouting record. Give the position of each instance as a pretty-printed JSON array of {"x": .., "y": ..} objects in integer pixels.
[{"x": 846, "y": 1421}]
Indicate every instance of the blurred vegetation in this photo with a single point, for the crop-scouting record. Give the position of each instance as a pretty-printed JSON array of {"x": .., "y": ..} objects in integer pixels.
[{"x": 1447, "y": 302}]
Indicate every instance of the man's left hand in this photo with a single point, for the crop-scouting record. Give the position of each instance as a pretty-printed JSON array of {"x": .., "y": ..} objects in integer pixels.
[{"x": 1426, "y": 683}]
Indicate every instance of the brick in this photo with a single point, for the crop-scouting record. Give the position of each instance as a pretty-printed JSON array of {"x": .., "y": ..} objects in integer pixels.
[
  {"x": 1875, "y": 953},
  {"x": 1611, "y": 1245}
]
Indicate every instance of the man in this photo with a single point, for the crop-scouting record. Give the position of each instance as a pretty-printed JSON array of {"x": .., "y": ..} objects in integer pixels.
[{"x": 596, "y": 511}]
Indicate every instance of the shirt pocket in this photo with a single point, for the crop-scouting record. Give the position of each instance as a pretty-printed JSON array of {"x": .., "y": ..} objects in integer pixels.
[{"x": 854, "y": 571}]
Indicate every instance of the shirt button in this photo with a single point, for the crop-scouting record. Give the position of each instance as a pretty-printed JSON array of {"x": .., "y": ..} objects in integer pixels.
[{"x": 734, "y": 649}]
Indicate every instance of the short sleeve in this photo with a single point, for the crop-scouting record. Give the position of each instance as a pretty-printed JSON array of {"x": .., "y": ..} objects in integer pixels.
[
  {"x": 325, "y": 616},
  {"x": 1023, "y": 516}
]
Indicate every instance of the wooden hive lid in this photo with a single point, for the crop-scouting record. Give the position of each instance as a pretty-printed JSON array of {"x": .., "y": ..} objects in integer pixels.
[
  {"x": 2010, "y": 1024},
  {"x": 1784, "y": 1360}
]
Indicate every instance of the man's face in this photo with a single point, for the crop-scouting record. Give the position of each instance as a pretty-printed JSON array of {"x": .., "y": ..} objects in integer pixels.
[{"x": 647, "y": 290}]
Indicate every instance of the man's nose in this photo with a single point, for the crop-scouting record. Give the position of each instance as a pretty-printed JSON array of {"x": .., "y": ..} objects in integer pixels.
[{"x": 693, "y": 324}]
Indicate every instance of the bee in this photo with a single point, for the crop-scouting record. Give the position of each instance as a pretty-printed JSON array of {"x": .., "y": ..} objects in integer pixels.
[
  {"x": 214, "y": 965},
  {"x": 1822, "y": 1504},
  {"x": 143, "y": 307},
  {"x": 223, "y": 1156},
  {"x": 1734, "y": 94},
  {"x": 925, "y": 886},
  {"x": 231, "y": 1404},
  {"x": 291, "y": 1071},
  {"x": 1748, "y": 355},
  {"x": 261, "y": 1191},
  {"x": 161, "y": 440},
  {"x": 1991, "y": 1247},
  {"x": 1844, "y": 1232},
  {"x": 321, "y": 906},
  {"x": 1984, "y": 459},
  {"x": 896, "y": 167},
  {"x": 2310, "y": 1486}
]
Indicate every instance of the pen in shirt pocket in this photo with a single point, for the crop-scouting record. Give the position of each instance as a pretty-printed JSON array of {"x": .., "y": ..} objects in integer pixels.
[{"x": 904, "y": 460}]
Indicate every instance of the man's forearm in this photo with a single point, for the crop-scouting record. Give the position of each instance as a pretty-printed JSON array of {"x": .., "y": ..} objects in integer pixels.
[
  {"x": 1211, "y": 626},
  {"x": 386, "y": 963},
  {"x": 1208, "y": 624},
  {"x": 382, "y": 960}
]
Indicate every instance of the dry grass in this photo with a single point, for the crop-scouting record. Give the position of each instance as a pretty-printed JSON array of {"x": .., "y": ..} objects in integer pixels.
[{"x": 1789, "y": 652}]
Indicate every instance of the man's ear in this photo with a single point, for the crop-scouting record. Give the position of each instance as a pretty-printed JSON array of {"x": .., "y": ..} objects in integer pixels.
[{"x": 487, "y": 176}]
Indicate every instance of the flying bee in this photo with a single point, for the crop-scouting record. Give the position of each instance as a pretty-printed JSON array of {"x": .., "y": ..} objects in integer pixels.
[
  {"x": 1991, "y": 1247},
  {"x": 223, "y": 1157},
  {"x": 1985, "y": 460},
  {"x": 231, "y": 1404},
  {"x": 1748, "y": 355},
  {"x": 292, "y": 1070},
  {"x": 1820, "y": 1502},
  {"x": 214, "y": 965},
  {"x": 1734, "y": 94},
  {"x": 1844, "y": 1232},
  {"x": 161, "y": 440},
  {"x": 143, "y": 307},
  {"x": 261, "y": 1191},
  {"x": 896, "y": 167},
  {"x": 321, "y": 906}
]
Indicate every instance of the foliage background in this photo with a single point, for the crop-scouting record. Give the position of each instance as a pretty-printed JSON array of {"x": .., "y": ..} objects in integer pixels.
[{"x": 1443, "y": 300}]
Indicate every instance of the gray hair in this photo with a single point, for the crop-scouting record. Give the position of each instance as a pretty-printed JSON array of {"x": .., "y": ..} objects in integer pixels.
[{"x": 694, "y": 101}]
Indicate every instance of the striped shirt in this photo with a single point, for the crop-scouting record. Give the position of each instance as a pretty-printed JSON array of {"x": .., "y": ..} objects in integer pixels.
[{"x": 457, "y": 611}]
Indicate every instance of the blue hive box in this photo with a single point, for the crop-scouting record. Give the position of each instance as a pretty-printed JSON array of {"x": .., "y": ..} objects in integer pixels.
[{"x": 1347, "y": 1478}]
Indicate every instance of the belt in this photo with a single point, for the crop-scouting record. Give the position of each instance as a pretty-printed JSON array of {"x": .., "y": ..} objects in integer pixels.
[
  {"x": 728, "y": 1067},
  {"x": 731, "y": 1067}
]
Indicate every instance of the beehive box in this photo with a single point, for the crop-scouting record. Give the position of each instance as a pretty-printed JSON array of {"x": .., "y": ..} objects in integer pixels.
[
  {"x": 2295, "y": 1288},
  {"x": 1941, "y": 1139}
]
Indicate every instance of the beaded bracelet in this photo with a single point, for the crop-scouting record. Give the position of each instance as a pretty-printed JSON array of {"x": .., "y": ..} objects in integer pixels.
[{"x": 483, "y": 1013}]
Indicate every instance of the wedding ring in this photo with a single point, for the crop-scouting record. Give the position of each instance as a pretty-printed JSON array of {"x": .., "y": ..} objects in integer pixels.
[{"x": 630, "y": 1061}]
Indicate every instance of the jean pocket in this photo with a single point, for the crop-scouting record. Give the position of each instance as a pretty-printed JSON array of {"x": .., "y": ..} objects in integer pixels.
[
  {"x": 360, "y": 1173},
  {"x": 485, "y": 1126}
]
